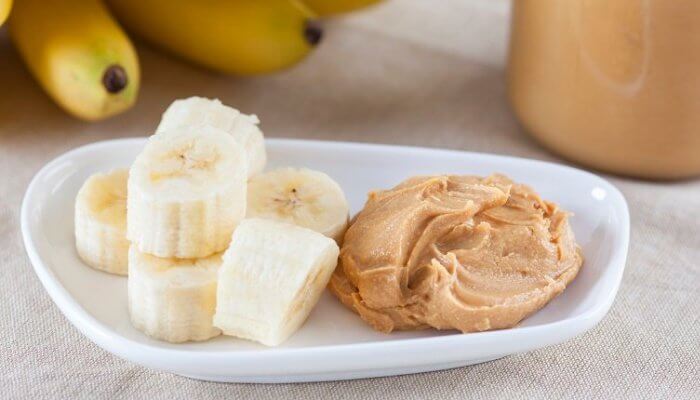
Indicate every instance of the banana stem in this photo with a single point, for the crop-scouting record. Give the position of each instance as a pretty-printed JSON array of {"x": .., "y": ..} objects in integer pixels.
[
  {"x": 313, "y": 32},
  {"x": 114, "y": 79}
]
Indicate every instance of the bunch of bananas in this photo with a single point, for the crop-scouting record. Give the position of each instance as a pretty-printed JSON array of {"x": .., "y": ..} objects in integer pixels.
[{"x": 88, "y": 65}]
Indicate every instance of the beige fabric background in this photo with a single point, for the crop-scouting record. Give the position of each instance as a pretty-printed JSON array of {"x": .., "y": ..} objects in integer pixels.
[{"x": 403, "y": 73}]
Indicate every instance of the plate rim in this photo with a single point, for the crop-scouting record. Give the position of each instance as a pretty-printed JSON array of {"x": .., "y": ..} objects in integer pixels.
[{"x": 115, "y": 343}]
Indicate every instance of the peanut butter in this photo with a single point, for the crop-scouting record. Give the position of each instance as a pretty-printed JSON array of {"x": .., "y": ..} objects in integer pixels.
[
  {"x": 454, "y": 252},
  {"x": 611, "y": 84}
]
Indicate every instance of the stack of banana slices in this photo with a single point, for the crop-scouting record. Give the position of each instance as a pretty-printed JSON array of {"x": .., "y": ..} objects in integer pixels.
[{"x": 212, "y": 244}]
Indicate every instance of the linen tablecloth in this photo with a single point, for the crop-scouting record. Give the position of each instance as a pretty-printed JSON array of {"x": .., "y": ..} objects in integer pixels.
[{"x": 410, "y": 72}]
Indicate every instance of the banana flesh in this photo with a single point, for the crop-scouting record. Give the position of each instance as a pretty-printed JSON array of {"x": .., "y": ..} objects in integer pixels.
[
  {"x": 173, "y": 299},
  {"x": 100, "y": 222},
  {"x": 300, "y": 196},
  {"x": 243, "y": 128},
  {"x": 187, "y": 193},
  {"x": 272, "y": 275}
]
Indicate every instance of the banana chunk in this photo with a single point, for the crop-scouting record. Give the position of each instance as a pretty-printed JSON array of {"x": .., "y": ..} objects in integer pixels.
[
  {"x": 173, "y": 299},
  {"x": 272, "y": 276},
  {"x": 243, "y": 128},
  {"x": 187, "y": 193},
  {"x": 100, "y": 222},
  {"x": 300, "y": 196}
]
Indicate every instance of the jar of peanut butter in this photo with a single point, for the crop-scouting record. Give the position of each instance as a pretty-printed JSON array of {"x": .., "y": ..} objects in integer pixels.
[{"x": 611, "y": 84}]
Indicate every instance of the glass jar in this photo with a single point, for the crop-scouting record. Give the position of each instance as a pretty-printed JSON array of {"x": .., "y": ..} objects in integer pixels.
[{"x": 611, "y": 84}]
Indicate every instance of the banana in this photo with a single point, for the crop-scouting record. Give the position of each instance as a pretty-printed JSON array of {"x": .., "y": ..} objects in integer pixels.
[
  {"x": 5, "y": 7},
  {"x": 243, "y": 128},
  {"x": 233, "y": 36},
  {"x": 79, "y": 55},
  {"x": 271, "y": 277},
  {"x": 187, "y": 193},
  {"x": 300, "y": 196},
  {"x": 334, "y": 7},
  {"x": 100, "y": 222},
  {"x": 173, "y": 299}
]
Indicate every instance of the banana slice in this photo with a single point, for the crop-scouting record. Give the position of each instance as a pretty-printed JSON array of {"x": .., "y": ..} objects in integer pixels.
[
  {"x": 272, "y": 276},
  {"x": 173, "y": 299},
  {"x": 187, "y": 193},
  {"x": 300, "y": 196},
  {"x": 243, "y": 128},
  {"x": 100, "y": 222}
]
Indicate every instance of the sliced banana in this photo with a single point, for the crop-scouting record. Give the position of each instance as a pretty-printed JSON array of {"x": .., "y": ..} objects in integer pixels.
[
  {"x": 272, "y": 276},
  {"x": 100, "y": 222},
  {"x": 173, "y": 299},
  {"x": 300, "y": 196},
  {"x": 187, "y": 193},
  {"x": 243, "y": 128}
]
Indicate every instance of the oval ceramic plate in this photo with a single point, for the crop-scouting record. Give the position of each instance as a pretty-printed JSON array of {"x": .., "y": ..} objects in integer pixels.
[{"x": 334, "y": 343}]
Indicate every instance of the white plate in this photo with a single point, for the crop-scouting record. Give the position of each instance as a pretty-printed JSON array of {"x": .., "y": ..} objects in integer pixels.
[{"x": 334, "y": 343}]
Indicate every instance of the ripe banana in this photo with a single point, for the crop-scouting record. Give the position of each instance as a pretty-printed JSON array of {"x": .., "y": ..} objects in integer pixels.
[
  {"x": 78, "y": 54},
  {"x": 173, "y": 299},
  {"x": 187, "y": 193},
  {"x": 300, "y": 196},
  {"x": 243, "y": 128},
  {"x": 333, "y": 7},
  {"x": 272, "y": 276},
  {"x": 234, "y": 36},
  {"x": 100, "y": 222},
  {"x": 5, "y": 7}
]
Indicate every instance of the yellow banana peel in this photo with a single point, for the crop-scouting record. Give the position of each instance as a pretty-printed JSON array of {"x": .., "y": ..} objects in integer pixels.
[
  {"x": 243, "y": 37},
  {"x": 78, "y": 54}
]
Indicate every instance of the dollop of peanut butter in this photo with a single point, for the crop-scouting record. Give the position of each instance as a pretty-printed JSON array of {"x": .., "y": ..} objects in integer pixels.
[{"x": 455, "y": 252}]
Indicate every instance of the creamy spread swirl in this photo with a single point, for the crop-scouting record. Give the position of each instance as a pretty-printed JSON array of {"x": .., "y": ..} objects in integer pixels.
[{"x": 455, "y": 252}]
